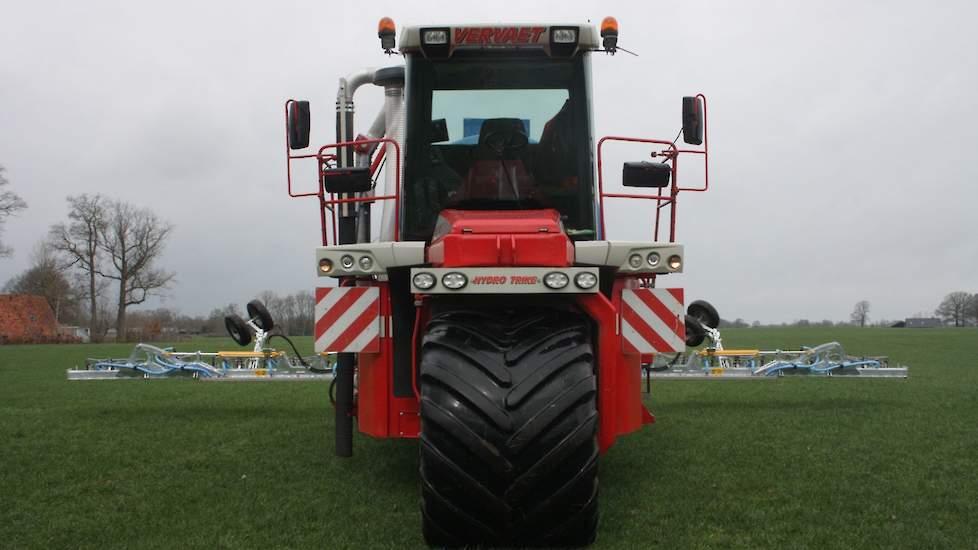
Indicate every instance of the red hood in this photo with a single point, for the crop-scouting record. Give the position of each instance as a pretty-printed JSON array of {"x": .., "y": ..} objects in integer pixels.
[{"x": 500, "y": 237}]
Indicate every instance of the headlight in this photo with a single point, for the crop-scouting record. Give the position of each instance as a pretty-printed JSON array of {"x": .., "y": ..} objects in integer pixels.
[
  {"x": 454, "y": 280},
  {"x": 635, "y": 260},
  {"x": 346, "y": 261},
  {"x": 424, "y": 281},
  {"x": 325, "y": 265},
  {"x": 556, "y": 280},
  {"x": 585, "y": 280},
  {"x": 653, "y": 259},
  {"x": 675, "y": 262},
  {"x": 366, "y": 262}
]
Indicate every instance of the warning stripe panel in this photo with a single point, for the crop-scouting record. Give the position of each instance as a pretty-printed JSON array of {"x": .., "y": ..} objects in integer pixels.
[
  {"x": 348, "y": 319},
  {"x": 652, "y": 320}
]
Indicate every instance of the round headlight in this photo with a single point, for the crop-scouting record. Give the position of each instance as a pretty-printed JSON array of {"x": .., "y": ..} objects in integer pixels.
[
  {"x": 366, "y": 262},
  {"x": 346, "y": 261},
  {"x": 653, "y": 259},
  {"x": 675, "y": 262},
  {"x": 585, "y": 280},
  {"x": 454, "y": 280},
  {"x": 556, "y": 280},
  {"x": 635, "y": 260},
  {"x": 325, "y": 265},
  {"x": 424, "y": 281}
]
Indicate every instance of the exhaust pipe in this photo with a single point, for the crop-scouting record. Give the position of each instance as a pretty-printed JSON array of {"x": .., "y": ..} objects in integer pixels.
[{"x": 347, "y": 226}]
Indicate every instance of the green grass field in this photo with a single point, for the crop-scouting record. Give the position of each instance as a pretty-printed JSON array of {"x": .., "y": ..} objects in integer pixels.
[{"x": 767, "y": 463}]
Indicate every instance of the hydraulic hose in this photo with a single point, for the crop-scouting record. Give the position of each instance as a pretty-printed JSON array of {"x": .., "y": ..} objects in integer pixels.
[{"x": 299, "y": 355}]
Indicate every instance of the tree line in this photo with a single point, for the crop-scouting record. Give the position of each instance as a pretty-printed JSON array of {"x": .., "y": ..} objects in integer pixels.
[
  {"x": 959, "y": 309},
  {"x": 93, "y": 267},
  {"x": 104, "y": 259}
]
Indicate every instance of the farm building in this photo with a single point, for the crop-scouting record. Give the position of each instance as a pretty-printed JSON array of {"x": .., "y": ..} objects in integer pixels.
[
  {"x": 26, "y": 318},
  {"x": 923, "y": 322}
]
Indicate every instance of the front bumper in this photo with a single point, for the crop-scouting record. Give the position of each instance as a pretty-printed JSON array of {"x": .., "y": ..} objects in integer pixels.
[{"x": 506, "y": 280}]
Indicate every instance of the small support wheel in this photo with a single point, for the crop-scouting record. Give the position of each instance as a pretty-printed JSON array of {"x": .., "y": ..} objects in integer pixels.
[
  {"x": 695, "y": 333},
  {"x": 259, "y": 313},
  {"x": 705, "y": 313},
  {"x": 238, "y": 329}
]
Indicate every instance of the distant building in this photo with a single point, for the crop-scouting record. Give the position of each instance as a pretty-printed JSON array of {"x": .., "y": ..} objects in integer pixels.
[
  {"x": 75, "y": 333},
  {"x": 923, "y": 322},
  {"x": 26, "y": 318}
]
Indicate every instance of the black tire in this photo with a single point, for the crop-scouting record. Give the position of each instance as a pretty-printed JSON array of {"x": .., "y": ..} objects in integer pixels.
[
  {"x": 238, "y": 329},
  {"x": 258, "y": 312},
  {"x": 705, "y": 313},
  {"x": 695, "y": 333},
  {"x": 509, "y": 451}
]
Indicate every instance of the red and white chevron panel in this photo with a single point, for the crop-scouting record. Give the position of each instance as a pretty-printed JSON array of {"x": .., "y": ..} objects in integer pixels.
[
  {"x": 348, "y": 319},
  {"x": 653, "y": 320}
]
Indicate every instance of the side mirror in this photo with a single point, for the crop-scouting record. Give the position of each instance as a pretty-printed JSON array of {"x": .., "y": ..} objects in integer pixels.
[
  {"x": 298, "y": 124},
  {"x": 646, "y": 174},
  {"x": 693, "y": 120},
  {"x": 347, "y": 180}
]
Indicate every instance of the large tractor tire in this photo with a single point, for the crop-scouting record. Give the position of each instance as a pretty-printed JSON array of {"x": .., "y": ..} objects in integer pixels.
[{"x": 509, "y": 452}]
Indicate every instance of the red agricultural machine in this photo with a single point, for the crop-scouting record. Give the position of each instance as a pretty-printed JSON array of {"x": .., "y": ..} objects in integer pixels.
[{"x": 486, "y": 312}]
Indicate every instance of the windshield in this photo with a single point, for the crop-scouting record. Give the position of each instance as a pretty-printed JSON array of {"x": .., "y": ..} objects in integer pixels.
[{"x": 497, "y": 134}]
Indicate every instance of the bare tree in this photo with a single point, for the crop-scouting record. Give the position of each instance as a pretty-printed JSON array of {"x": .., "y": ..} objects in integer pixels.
[
  {"x": 860, "y": 313},
  {"x": 78, "y": 241},
  {"x": 10, "y": 204},
  {"x": 133, "y": 239},
  {"x": 954, "y": 308},
  {"x": 972, "y": 310},
  {"x": 46, "y": 278},
  {"x": 305, "y": 305}
]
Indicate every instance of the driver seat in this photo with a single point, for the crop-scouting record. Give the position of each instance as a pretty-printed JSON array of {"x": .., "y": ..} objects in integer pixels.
[{"x": 493, "y": 177}]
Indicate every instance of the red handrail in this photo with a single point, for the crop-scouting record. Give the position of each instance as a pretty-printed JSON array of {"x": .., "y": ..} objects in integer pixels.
[
  {"x": 396, "y": 197},
  {"x": 671, "y": 154},
  {"x": 323, "y": 160}
]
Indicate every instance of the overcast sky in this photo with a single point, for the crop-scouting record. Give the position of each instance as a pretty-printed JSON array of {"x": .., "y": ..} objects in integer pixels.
[{"x": 843, "y": 135}]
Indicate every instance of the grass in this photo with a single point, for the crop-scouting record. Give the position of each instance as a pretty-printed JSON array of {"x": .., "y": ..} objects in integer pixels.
[{"x": 775, "y": 463}]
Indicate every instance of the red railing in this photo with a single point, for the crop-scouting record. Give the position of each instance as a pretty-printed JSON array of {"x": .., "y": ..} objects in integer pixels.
[
  {"x": 325, "y": 160},
  {"x": 671, "y": 155}
]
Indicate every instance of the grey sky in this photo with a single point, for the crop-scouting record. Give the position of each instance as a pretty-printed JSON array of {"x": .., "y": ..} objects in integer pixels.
[{"x": 841, "y": 134}]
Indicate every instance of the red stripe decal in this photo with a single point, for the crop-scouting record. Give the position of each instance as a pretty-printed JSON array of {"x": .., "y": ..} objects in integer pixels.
[
  {"x": 677, "y": 293},
  {"x": 670, "y": 318},
  {"x": 355, "y": 328},
  {"x": 350, "y": 296},
  {"x": 372, "y": 346},
  {"x": 644, "y": 331},
  {"x": 321, "y": 293}
]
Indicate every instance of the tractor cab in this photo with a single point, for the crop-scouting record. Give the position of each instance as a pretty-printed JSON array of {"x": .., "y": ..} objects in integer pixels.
[{"x": 498, "y": 118}]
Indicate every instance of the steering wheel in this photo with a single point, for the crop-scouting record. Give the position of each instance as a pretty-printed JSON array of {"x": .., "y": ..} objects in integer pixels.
[{"x": 502, "y": 141}]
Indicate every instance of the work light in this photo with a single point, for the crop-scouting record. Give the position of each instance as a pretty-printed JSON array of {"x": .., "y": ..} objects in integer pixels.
[
  {"x": 555, "y": 280},
  {"x": 675, "y": 262},
  {"x": 585, "y": 280},
  {"x": 563, "y": 36},
  {"x": 454, "y": 280},
  {"x": 424, "y": 281},
  {"x": 436, "y": 36}
]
